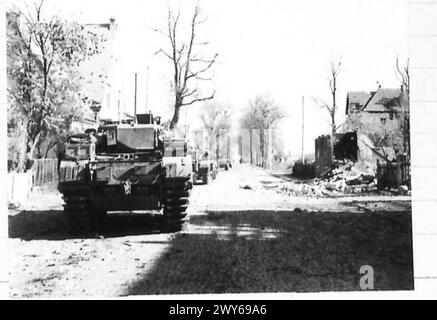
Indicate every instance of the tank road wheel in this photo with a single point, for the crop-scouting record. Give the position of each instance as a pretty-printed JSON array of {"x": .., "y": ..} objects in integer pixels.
[
  {"x": 96, "y": 220},
  {"x": 206, "y": 178},
  {"x": 77, "y": 207},
  {"x": 175, "y": 201}
]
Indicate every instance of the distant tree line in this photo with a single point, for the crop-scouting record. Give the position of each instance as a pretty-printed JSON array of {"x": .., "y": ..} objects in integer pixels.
[{"x": 260, "y": 117}]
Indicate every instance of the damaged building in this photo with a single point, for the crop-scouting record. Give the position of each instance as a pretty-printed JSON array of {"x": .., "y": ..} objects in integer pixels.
[
  {"x": 377, "y": 118},
  {"x": 374, "y": 135}
]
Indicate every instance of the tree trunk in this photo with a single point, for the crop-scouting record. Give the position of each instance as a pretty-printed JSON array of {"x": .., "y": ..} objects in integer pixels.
[
  {"x": 49, "y": 147},
  {"x": 269, "y": 150},
  {"x": 228, "y": 147},
  {"x": 217, "y": 147},
  {"x": 175, "y": 119},
  {"x": 22, "y": 148},
  {"x": 177, "y": 110},
  {"x": 240, "y": 149},
  {"x": 261, "y": 147},
  {"x": 34, "y": 145},
  {"x": 250, "y": 146},
  {"x": 333, "y": 132},
  {"x": 211, "y": 142}
]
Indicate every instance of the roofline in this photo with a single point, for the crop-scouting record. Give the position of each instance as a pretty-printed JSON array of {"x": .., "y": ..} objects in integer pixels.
[
  {"x": 372, "y": 95},
  {"x": 347, "y": 103}
]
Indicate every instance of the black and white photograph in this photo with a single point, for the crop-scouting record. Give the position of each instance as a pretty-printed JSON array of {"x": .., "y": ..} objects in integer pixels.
[{"x": 197, "y": 147}]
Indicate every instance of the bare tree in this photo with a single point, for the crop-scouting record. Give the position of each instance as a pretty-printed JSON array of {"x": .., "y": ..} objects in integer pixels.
[
  {"x": 189, "y": 66},
  {"x": 333, "y": 77},
  {"x": 249, "y": 122},
  {"x": 262, "y": 114},
  {"x": 216, "y": 120},
  {"x": 403, "y": 75},
  {"x": 269, "y": 115},
  {"x": 334, "y": 72}
]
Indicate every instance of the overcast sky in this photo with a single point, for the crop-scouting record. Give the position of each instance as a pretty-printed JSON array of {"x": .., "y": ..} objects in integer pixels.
[{"x": 277, "y": 47}]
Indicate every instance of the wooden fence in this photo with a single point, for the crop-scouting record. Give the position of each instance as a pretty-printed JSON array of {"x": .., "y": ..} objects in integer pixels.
[
  {"x": 393, "y": 174},
  {"x": 70, "y": 172},
  {"x": 44, "y": 172}
]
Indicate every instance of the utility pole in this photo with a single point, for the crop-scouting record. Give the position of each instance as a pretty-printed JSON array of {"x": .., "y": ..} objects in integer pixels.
[
  {"x": 303, "y": 128},
  {"x": 135, "y": 100},
  {"x": 118, "y": 106},
  {"x": 270, "y": 149},
  {"x": 228, "y": 146},
  {"x": 147, "y": 89}
]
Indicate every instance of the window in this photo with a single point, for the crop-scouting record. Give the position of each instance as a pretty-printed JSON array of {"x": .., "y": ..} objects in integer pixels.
[
  {"x": 175, "y": 149},
  {"x": 354, "y": 106}
]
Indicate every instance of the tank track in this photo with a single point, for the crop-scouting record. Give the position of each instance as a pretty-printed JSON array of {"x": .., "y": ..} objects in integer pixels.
[
  {"x": 78, "y": 208},
  {"x": 176, "y": 192}
]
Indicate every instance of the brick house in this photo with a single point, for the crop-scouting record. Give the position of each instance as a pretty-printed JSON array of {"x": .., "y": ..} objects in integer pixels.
[
  {"x": 375, "y": 109},
  {"x": 379, "y": 116},
  {"x": 102, "y": 76}
]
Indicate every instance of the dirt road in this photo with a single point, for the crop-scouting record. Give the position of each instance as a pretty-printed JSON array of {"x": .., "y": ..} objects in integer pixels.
[{"x": 243, "y": 235}]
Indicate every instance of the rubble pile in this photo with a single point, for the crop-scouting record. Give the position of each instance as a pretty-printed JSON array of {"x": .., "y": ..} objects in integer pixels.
[
  {"x": 349, "y": 177},
  {"x": 346, "y": 178}
]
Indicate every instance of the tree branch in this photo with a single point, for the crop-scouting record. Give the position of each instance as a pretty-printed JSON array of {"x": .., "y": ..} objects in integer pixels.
[
  {"x": 190, "y": 46},
  {"x": 195, "y": 74},
  {"x": 199, "y": 100},
  {"x": 164, "y": 53},
  {"x": 187, "y": 94}
]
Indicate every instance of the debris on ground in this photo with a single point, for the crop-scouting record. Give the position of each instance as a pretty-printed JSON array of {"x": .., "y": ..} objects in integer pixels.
[
  {"x": 346, "y": 178},
  {"x": 245, "y": 187},
  {"x": 349, "y": 177}
]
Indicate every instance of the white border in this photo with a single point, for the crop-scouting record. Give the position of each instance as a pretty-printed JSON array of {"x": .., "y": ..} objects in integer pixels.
[{"x": 422, "y": 29}]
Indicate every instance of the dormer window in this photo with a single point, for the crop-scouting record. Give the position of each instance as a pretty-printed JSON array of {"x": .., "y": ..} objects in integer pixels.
[{"x": 354, "y": 107}]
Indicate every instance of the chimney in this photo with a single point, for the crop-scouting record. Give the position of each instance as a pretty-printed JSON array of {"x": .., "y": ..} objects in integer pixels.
[{"x": 111, "y": 23}]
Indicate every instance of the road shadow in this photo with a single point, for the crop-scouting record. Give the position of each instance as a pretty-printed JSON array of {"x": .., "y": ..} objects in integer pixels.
[
  {"x": 53, "y": 225},
  {"x": 286, "y": 251}
]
